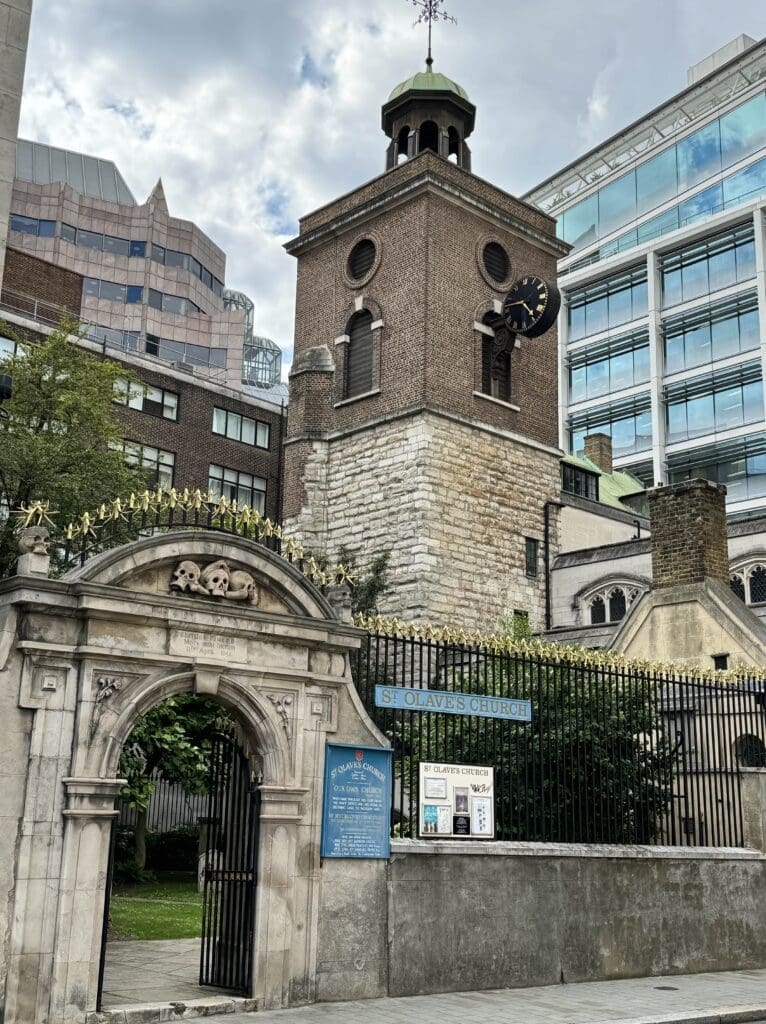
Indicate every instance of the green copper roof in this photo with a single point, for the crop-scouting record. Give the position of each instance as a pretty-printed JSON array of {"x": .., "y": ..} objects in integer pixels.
[
  {"x": 612, "y": 486},
  {"x": 425, "y": 81}
]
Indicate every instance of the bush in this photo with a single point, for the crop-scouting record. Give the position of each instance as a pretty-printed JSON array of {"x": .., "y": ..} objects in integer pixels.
[{"x": 176, "y": 850}]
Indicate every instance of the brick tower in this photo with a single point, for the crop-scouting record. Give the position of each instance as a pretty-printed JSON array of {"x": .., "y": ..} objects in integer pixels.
[{"x": 414, "y": 426}]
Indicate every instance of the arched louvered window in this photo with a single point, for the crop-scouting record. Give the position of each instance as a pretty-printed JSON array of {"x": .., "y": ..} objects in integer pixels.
[
  {"x": 597, "y": 611},
  {"x": 495, "y": 363},
  {"x": 617, "y": 605},
  {"x": 738, "y": 587},
  {"x": 359, "y": 361}
]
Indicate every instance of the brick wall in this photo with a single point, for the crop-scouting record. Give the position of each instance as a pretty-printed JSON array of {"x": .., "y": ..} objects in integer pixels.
[
  {"x": 191, "y": 437},
  {"x": 689, "y": 541},
  {"x": 27, "y": 276}
]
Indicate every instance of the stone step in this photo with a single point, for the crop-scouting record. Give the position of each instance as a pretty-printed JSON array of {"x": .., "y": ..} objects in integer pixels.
[{"x": 160, "y": 1013}]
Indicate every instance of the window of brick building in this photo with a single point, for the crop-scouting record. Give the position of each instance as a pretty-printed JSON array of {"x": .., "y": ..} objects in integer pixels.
[
  {"x": 495, "y": 361},
  {"x": 359, "y": 359},
  {"x": 244, "y": 488},
  {"x": 154, "y": 401},
  {"x": 531, "y": 549},
  {"x": 159, "y": 464},
  {"x": 241, "y": 428}
]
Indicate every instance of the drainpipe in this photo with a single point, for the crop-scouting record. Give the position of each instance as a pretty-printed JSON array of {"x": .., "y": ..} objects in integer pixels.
[
  {"x": 280, "y": 460},
  {"x": 547, "y": 557}
]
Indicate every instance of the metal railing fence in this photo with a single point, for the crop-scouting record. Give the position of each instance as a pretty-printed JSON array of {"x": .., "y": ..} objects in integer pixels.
[{"x": 613, "y": 754}]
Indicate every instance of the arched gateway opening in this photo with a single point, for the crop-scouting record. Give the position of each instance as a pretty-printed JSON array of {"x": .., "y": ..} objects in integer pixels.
[
  {"x": 85, "y": 657},
  {"x": 181, "y": 886}
]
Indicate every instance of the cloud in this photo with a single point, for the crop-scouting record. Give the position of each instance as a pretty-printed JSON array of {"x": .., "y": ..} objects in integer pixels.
[{"x": 255, "y": 112}]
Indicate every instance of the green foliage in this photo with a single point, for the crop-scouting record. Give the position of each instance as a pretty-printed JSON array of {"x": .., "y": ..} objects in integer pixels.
[
  {"x": 591, "y": 766},
  {"x": 176, "y": 850},
  {"x": 55, "y": 443},
  {"x": 370, "y": 585},
  {"x": 172, "y": 740}
]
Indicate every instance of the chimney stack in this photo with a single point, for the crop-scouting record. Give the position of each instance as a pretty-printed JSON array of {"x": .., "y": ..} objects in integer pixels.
[
  {"x": 689, "y": 541},
  {"x": 598, "y": 448}
]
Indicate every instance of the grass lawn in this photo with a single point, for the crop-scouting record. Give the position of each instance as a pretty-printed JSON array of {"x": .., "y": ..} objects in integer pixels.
[{"x": 170, "y": 908}]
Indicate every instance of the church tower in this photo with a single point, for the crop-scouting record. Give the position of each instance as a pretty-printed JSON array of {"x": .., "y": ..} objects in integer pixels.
[{"x": 417, "y": 424}]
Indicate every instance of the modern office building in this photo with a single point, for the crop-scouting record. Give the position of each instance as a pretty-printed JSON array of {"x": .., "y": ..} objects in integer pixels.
[
  {"x": 662, "y": 333},
  {"x": 14, "y": 32},
  {"x": 152, "y": 283}
]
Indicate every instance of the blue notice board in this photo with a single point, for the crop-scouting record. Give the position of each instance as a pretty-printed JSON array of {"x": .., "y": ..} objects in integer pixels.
[{"x": 356, "y": 817}]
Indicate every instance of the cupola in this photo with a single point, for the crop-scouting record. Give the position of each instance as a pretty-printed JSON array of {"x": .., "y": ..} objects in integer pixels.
[{"x": 428, "y": 111}]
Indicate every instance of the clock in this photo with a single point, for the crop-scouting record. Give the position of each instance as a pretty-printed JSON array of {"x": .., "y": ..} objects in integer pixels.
[{"x": 531, "y": 306}]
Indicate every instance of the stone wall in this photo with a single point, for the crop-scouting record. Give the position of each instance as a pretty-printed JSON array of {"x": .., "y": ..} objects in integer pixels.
[
  {"x": 443, "y": 496},
  {"x": 463, "y": 916}
]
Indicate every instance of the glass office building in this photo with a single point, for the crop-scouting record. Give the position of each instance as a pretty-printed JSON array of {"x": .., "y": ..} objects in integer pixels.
[{"x": 662, "y": 343}]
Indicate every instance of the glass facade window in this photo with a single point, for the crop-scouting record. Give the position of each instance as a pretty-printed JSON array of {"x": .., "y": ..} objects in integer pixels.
[
  {"x": 630, "y": 429},
  {"x": 531, "y": 551},
  {"x": 241, "y": 428},
  {"x": 33, "y": 226},
  {"x": 607, "y": 304},
  {"x": 691, "y": 413},
  {"x": 125, "y": 340},
  {"x": 185, "y": 261},
  {"x": 158, "y": 464},
  {"x": 593, "y": 374},
  {"x": 68, "y": 233},
  {"x": 183, "y": 352},
  {"x": 708, "y": 266},
  {"x": 740, "y": 466},
  {"x": 716, "y": 334},
  {"x": 733, "y": 137},
  {"x": 579, "y": 481},
  {"x": 138, "y": 249},
  {"x": 243, "y": 488}
]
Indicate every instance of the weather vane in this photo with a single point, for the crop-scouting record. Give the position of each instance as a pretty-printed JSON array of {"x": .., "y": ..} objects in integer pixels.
[{"x": 430, "y": 12}]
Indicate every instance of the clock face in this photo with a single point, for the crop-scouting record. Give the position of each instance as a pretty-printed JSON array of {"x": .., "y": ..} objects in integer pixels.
[{"x": 531, "y": 306}]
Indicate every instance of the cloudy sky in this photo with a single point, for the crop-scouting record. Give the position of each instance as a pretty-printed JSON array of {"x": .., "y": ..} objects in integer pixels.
[{"x": 254, "y": 112}]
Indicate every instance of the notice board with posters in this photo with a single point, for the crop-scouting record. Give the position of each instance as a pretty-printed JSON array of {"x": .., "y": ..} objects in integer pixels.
[
  {"x": 356, "y": 814},
  {"x": 457, "y": 801}
]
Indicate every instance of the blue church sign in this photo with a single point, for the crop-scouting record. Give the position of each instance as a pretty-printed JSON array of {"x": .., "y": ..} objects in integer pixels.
[
  {"x": 356, "y": 818},
  {"x": 448, "y": 702}
]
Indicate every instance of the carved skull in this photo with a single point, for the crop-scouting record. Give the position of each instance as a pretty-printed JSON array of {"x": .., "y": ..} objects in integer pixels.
[
  {"x": 186, "y": 577},
  {"x": 242, "y": 587},
  {"x": 215, "y": 579},
  {"x": 34, "y": 540}
]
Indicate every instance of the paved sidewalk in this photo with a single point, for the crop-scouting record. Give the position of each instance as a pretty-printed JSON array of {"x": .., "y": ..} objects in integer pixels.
[{"x": 698, "y": 998}]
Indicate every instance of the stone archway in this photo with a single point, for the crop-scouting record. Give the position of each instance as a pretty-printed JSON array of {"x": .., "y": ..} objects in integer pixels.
[{"x": 92, "y": 652}]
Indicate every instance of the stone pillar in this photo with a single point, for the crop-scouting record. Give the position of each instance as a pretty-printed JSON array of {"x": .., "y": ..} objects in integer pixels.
[
  {"x": 311, "y": 407},
  {"x": 753, "y": 795},
  {"x": 598, "y": 448},
  {"x": 82, "y": 891},
  {"x": 689, "y": 542}
]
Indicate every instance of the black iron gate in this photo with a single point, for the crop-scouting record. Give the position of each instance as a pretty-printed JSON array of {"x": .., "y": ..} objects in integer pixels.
[{"x": 231, "y": 852}]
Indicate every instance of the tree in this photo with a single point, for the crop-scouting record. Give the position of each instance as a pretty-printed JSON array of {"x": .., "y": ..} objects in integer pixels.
[
  {"x": 55, "y": 441},
  {"x": 171, "y": 742},
  {"x": 369, "y": 586}
]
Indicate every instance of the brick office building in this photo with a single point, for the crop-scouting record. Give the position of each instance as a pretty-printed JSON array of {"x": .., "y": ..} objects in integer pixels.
[
  {"x": 185, "y": 431},
  {"x": 411, "y": 430}
]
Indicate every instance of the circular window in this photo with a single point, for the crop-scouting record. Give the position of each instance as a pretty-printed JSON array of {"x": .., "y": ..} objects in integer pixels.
[
  {"x": 361, "y": 259},
  {"x": 496, "y": 261}
]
